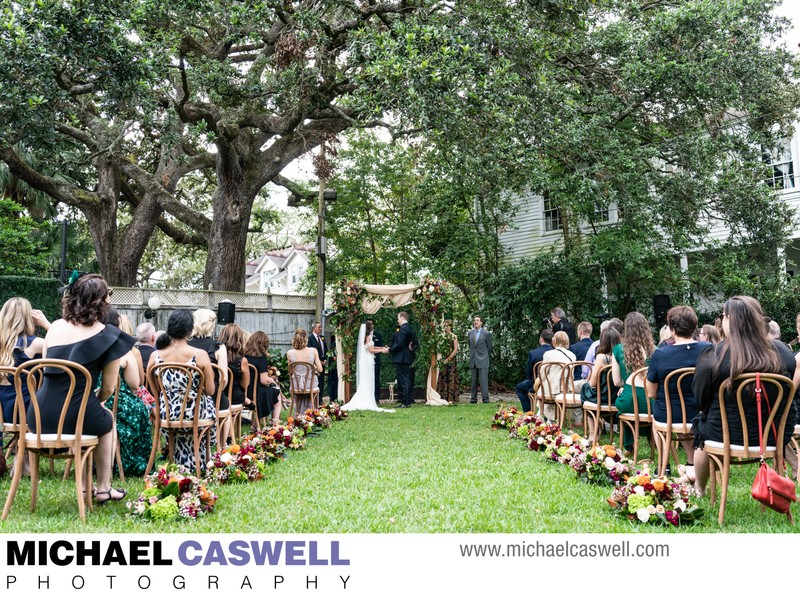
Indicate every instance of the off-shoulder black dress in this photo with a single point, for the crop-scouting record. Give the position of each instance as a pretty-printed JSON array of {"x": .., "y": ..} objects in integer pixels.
[{"x": 94, "y": 353}]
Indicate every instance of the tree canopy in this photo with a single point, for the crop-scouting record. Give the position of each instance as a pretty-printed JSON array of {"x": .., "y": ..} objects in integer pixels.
[{"x": 177, "y": 114}]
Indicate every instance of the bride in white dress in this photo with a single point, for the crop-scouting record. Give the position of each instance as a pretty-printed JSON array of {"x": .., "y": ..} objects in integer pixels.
[{"x": 364, "y": 398}]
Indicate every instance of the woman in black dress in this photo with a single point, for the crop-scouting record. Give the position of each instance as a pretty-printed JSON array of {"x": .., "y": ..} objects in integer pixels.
[
  {"x": 746, "y": 348},
  {"x": 269, "y": 391},
  {"x": 82, "y": 338}
]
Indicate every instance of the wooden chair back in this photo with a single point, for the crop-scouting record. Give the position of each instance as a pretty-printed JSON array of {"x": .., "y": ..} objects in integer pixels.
[
  {"x": 255, "y": 382},
  {"x": 722, "y": 456},
  {"x": 550, "y": 385},
  {"x": 569, "y": 374},
  {"x": 637, "y": 419},
  {"x": 679, "y": 377},
  {"x": 301, "y": 383},
  {"x": 186, "y": 416}
]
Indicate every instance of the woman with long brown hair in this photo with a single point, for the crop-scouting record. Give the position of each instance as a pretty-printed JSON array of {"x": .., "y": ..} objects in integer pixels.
[
  {"x": 232, "y": 336},
  {"x": 634, "y": 352},
  {"x": 746, "y": 348},
  {"x": 268, "y": 395}
]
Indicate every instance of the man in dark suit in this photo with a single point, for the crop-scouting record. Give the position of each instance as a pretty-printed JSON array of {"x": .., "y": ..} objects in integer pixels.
[
  {"x": 403, "y": 354},
  {"x": 317, "y": 341},
  {"x": 377, "y": 340},
  {"x": 146, "y": 340},
  {"x": 562, "y": 324},
  {"x": 480, "y": 347},
  {"x": 534, "y": 357},
  {"x": 581, "y": 347}
]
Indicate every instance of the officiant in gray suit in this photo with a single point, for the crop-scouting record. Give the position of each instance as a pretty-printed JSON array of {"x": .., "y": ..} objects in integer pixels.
[{"x": 480, "y": 346}]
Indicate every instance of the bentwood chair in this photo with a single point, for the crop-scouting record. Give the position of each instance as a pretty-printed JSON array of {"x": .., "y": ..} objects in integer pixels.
[
  {"x": 550, "y": 387},
  {"x": 533, "y": 390},
  {"x": 639, "y": 419},
  {"x": 724, "y": 454},
  {"x": 301, "y": 385},
  {"x": 255, "y": 382},
  {"x": 665, "y": 434},
  {"x": 595, "y": 412},
  {"x": 570, "y": 397},
  {"x": 60, "y": 444},
  {"x": 9, "y": 426},
  {"x": 224, "y": 416},
  {"x": 185, "y": 418}
]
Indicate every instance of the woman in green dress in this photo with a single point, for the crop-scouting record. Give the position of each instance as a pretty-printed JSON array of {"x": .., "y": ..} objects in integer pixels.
[{"x": 634, "y": 352}]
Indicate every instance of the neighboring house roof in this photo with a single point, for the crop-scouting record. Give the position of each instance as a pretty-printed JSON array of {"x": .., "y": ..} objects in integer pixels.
[{"x": 278, "y": 258}]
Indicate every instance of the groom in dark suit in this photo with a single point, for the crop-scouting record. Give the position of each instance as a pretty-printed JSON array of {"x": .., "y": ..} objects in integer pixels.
[{"x": 403, "y": 354}]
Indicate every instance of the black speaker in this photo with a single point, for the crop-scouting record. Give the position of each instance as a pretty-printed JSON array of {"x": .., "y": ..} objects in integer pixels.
[
  {"x": 661, "y": 305},
  {"x": 226, "y": 312}
]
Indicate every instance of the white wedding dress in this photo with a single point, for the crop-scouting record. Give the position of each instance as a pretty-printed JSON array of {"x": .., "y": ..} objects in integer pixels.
[{"x": 364, "y": 398}]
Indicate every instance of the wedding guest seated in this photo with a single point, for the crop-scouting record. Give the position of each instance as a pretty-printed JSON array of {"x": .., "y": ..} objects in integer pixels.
[
  {"x": 133, "y": 416},
  {"x": 746, "y": 348},
  {"x": 665, "y": 336},
  {"x": 609, "y": 338},
  {"x": 301, "y": 352},
  {"x": 560, "y": 353},
  {"x": 146, "y": 341},
  {"x": 774, "y": 330},
  {"x": 682, "y": 322},
  {"x": 534, "y": 357},
  {"x": 232, "y": 336},
  {"x": 614, "y": 323},
  {"x": 269, "y": 390},
  {"x": 634, "y": 352},
  {"x": 81, "y": 337},
  {"x": 205, "y": 322},
  {"x": 581, "y": 347},
  {"x": 708, "y": 333},
  {"x": 18, "y": 343},
  {"x": 201, "y": 403}
]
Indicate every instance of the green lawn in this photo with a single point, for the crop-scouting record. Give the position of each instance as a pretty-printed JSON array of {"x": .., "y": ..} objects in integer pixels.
[{"x": 425, "y": 469}]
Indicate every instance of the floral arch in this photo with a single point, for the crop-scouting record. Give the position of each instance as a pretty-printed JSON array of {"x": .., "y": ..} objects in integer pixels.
[{"x": 353, "y": 300}]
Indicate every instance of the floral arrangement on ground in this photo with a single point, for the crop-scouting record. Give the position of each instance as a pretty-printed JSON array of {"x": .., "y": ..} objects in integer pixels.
[
  {"x": 656, "y": 500},
  {"x": 248, "y": 460},
  {"x": 637, "y": 496},
  {"x": 171, "y": 493}
]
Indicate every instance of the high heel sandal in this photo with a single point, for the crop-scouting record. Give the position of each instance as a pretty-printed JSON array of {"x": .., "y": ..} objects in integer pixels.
[{"x": 108, "y": 496}]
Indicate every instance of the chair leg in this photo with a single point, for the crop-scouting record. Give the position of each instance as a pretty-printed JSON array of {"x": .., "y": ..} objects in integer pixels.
[
  {"x": 726, "y": 471},
  {"x": 79, "y": 486},
  {"x": 12, "y": 490},
  {"x": 153, "y": 450},
  {"x": 118, "y": 457},
  {"x": 34, "y": 464},
  {"x": 196, "y": 441}
]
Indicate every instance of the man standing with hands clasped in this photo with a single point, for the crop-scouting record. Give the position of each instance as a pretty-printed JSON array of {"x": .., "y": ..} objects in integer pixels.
[
  {"x": 480, "y": 346},
  {"x": 403, "y": 354},
  {"x": 317, "y": 341}
]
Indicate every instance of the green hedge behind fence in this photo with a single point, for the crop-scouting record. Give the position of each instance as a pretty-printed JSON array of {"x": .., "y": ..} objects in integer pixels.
[{"x": 41, "y": 292}]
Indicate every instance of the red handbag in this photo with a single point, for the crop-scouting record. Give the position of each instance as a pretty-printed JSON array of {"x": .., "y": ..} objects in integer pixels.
[{"x": 770, "y": 488}]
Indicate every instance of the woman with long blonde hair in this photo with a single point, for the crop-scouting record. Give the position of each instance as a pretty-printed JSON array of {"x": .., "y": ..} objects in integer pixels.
[{"x": 18, "y": 343}]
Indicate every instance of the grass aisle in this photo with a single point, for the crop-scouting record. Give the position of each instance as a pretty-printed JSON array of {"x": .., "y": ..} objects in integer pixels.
[{"x": 425, "y": 469}]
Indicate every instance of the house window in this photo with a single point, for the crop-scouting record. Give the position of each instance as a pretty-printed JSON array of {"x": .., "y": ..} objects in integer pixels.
[
  {"x": 601, "y": 213},
  {"x": 781, "y": 175},
  {"x": 552, "y": 216}
]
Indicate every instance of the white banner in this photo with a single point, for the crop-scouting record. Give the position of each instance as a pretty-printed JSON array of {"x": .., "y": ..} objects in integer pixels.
[{"x": 417, "y": 563}]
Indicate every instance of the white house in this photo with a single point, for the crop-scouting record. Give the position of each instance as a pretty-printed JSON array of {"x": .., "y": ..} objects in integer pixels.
[
  {"x": 538, "y": 225},
  {"x": 279, "y": 271}
]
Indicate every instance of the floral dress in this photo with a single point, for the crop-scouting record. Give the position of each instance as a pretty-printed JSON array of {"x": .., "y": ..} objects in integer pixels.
[
  {"x": 447, "y": 386},
  {"x": 133, "y": 427},
  {"x": 175, "y": 383}
]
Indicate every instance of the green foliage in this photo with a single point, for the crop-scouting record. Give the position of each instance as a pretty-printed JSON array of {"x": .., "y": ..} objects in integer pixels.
[
  {"x": 522, "y": 294},
  {"x": 21, "y": 250},
  {"x": 41, "y": 292}
]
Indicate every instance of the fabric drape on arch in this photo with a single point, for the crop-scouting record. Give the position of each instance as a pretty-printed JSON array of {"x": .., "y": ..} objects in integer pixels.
[{"x": 379, "y": 296}]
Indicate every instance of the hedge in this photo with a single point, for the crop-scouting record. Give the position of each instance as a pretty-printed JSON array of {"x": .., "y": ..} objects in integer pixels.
[{"x": 41, "y": 292}]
